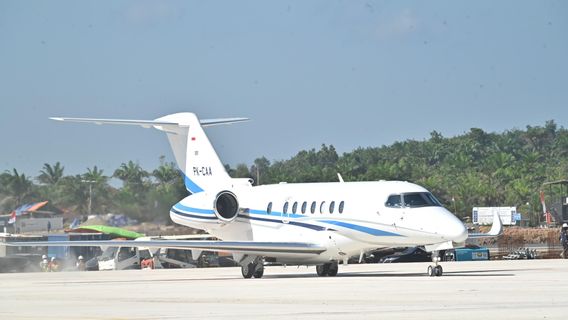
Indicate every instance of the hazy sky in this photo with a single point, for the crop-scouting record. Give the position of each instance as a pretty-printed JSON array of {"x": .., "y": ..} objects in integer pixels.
[{"x": 346, "y": 73}]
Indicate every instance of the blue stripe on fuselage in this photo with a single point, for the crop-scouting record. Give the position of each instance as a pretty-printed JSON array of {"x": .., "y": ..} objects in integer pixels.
[
  {"x": 254, "y": 215},
  {"x": 193, "y": 216},
  {"x": 294, "y": 223},
  {"x": 181, "y": 207},
  {"x": 371, "y": 231}
]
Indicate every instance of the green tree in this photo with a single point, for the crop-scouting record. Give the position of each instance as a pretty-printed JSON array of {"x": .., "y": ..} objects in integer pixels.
[
  {"x": 50, "y": 175},
  {"x": 133, "y": 178},
  {"x": 18, "y": 187}
]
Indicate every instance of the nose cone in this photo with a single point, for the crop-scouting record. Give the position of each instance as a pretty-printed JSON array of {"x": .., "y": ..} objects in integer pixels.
[{"x": 455, "y": 230}]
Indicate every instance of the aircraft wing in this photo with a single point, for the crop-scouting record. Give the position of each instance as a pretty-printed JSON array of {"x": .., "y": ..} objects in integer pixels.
[
  {"x": 246, "y": 247},
  {"x": 496, "y": 229}
]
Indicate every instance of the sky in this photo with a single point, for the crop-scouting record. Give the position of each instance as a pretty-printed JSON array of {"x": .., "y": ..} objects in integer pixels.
[{"x": 343, "y": 73}]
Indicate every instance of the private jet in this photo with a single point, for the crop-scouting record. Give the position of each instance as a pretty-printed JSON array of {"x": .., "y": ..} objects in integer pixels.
[{"x": 321, "y": 224}]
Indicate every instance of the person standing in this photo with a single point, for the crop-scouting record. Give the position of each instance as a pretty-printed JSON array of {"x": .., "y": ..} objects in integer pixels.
[
  {"x": 80, "y": 264},
  {"x": 564, "y": 240},
  {"x": 53, "y": 265},
  {"x": 44, "y": 264}
]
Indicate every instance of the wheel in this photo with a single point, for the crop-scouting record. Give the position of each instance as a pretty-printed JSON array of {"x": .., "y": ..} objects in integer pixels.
[
  {"x": 247, "y": 270},
  {"x": 333, "y": 268},
  {"x": 430, "y": 271},
  {"x": 322, "y": 269},
  {"x": 259, "y": 272},
  {"x": 438, "y": 271}
]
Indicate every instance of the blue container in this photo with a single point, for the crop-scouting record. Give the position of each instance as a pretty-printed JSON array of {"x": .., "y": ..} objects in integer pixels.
[{"x": 467, "y": 254}]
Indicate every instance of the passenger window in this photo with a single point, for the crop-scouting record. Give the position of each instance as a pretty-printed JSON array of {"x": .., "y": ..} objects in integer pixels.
[
  {"x": 285, "y": 209},
  {"x": 322, "y": 205},
  {"x": 331, "y": 206},
  {"x": 394, "y": 201},
  {"x": 269, "y": 209},
  {"x": 313, "y": 208},
  {"x": 294, "y": 207},
  {"x": 304, "y": 205},
  {"x": 341, "y": 205}
]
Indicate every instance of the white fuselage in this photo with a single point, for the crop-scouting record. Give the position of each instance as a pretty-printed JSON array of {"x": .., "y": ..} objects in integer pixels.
[{"x": 346, "y": 218}]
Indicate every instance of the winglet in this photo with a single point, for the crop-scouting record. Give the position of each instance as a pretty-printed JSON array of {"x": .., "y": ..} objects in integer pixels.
[{"x": 496, "y": 229}]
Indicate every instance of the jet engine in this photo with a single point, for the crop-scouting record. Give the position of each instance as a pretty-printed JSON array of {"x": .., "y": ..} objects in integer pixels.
[{"x": 226, "y": 206}]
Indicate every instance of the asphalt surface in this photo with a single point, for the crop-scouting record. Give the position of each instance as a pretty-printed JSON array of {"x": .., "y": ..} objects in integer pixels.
[{"x": 528, "y": 289}]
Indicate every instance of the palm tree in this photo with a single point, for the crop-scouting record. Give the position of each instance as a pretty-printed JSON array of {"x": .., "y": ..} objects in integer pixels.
[
  {"x": 50, "y": 175},
  {"x": 95, "y": 175},
  {"x": 133, "y": 178},
  {"x": 19, "y": 187},
  {"x": 131, "y": 173},
  {"x": 77, "y": 191},
  {"x": 166, "y": 173},
  {"x": 99, "y": 190}
]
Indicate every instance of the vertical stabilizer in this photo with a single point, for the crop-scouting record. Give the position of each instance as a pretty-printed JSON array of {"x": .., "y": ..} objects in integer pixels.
[{"x": 193, "y": 152}]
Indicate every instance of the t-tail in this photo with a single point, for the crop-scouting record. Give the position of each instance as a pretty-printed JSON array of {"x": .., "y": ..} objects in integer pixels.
[{"x": 201, "y": 167}]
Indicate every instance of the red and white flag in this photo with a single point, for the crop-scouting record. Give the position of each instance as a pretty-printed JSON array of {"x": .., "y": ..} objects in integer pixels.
[{"x": 12, "y": 218}]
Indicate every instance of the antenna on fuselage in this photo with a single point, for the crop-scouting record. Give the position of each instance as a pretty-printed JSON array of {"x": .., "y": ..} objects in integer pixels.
[{"x": 340, "y": 177}]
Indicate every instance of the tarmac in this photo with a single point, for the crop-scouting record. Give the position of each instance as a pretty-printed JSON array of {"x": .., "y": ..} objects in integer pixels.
[{"x": 522, "y": 289}]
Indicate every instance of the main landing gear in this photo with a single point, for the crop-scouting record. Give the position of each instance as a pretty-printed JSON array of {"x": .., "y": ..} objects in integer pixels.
[
  {"x": 435, "y": 270},
  {"x": 253, "y": 269},
  {"x": 327, "y": 269}
]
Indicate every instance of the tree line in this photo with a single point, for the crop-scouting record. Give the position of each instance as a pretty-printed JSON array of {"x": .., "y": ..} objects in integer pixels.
[
  {"x": 144, "y": 195},
  {"x": 476, "y": 168}
]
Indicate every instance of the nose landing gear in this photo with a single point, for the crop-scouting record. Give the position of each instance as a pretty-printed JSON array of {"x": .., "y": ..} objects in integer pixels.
[{"x": 435, "y": 270}]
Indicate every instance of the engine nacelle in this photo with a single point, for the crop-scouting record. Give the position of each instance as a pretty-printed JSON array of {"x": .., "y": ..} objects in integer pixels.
[{"x": 226, "y": 206}]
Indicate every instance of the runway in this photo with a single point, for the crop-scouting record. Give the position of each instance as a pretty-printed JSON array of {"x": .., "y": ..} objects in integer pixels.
[{"x": 528, "y": 289}]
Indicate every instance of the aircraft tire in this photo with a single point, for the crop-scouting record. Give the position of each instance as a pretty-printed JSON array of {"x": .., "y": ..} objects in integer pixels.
[
  {"x": 332, "y": 269},
  {"x": 438, "y": 271},
  {"x": 430, "y": 271},
  {"x": 322, "y": 269},
  {"x": 247, "y": 270},
  {"x": 259, "y": 272}
]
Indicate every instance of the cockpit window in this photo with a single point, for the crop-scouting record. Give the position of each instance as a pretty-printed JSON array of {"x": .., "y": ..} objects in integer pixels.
[
  {"x": 394, "y": 201},
  {"x": 420, "y": 199},
  {"x": 413, "y": 200}
]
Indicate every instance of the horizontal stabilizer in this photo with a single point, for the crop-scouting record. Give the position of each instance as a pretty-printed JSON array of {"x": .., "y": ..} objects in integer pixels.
[
  {"x": 247, "y": 247},
  {"x": 190, "y": 145},
  {"x": 143, "y": 123},
  {"x": 150, "y": 123},
  {"x": 214, "y": 122}
]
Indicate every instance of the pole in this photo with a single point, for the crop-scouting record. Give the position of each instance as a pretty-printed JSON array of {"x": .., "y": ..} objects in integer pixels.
[
  {"x": 90, "y": 203},
  {"x": 90, "y": 197}
]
